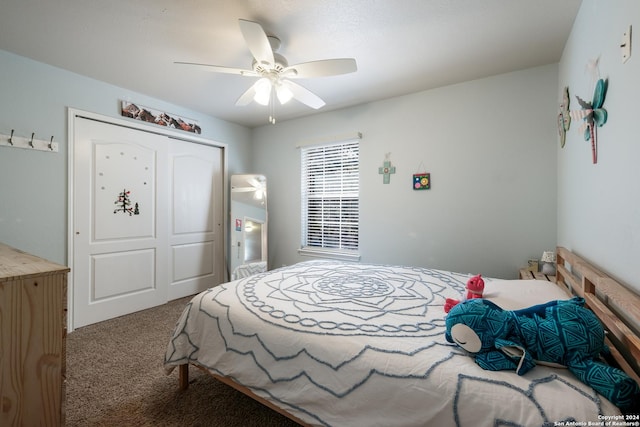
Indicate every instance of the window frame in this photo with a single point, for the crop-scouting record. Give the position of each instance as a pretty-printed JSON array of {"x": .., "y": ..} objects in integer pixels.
[{"x": 336, "y": 187}]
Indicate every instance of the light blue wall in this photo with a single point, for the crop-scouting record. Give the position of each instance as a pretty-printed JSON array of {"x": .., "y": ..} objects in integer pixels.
[
  {"x": 599, "y": 205},
  {"x": 33, "y": 185},
  {"x": 490, "y": 146},
  {"x": 501, "y": 184}
]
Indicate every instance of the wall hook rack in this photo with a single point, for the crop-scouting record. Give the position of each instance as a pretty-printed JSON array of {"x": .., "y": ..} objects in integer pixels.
[{"x": 28, "y": 143}]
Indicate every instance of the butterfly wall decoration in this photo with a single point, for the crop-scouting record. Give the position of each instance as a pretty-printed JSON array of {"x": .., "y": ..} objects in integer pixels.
[{"x": 593, "y": 115}]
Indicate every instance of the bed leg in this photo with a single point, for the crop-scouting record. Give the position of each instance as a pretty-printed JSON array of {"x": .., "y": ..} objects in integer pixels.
[{"x": 183, "y": 378}]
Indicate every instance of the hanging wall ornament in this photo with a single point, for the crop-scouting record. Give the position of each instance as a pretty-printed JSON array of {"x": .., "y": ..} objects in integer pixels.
[
  {"x": 564, "y": 118},
  {"x": 594, "y": 116},
  {"x": 386, "y": 169},
  {"x": 421, "y": 180}
]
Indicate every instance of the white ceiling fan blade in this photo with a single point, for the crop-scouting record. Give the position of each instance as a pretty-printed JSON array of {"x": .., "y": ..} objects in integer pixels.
[
  {"x": 257, "y": 42},
  {"x": 254, "y": 183},
  {"x": 304, "y": 95},
  {"x": 247, "y": 97},
  {"x": 322, "y": 68},
  {"x": 218, "y": 69}
]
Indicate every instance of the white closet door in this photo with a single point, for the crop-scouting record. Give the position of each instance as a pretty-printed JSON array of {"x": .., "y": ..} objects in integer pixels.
[
  {"x": 196, "y": 255},
  {"x": 148, "y": 219},
  {"x": 120, "y": 221}
]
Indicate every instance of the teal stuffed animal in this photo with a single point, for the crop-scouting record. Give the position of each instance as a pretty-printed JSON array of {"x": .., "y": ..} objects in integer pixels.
[{"x": 558, "y": 333}]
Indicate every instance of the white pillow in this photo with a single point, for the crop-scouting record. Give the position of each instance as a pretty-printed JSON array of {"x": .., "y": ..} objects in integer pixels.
[{"x": 518, "y": 294}]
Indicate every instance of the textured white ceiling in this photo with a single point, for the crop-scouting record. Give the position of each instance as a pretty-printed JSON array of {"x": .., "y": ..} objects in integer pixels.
[{"x": 400, "y": 46}]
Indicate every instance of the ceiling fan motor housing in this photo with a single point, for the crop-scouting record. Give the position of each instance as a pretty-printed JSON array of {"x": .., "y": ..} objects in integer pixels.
[{"x": 280, "y": 64}]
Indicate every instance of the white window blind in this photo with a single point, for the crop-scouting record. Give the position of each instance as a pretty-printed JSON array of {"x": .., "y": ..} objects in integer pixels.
[{"x": 330, "y": 199}]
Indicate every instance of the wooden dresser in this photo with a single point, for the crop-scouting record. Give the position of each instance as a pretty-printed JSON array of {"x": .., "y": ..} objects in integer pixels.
[{"x": 33, "y": 302}]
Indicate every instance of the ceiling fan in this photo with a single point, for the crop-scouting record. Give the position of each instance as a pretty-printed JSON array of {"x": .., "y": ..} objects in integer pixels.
[
  {"x": 256, "y": 185},
  {"x": 275, "y": 72},
  {"x": 252, "y": 184}
]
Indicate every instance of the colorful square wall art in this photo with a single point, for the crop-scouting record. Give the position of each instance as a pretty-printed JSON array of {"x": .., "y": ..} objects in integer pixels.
[{"x": 421, "y": 181}]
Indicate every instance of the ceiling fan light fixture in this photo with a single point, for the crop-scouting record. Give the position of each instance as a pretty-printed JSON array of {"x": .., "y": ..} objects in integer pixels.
[
  {"x": 275, "y": 73},
  {"x": 284, "y": 93},
  {"x": 263, "y": 91}
]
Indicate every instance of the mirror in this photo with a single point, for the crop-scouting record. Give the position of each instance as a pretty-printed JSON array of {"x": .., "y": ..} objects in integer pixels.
[{"x": 248, "y": 253}]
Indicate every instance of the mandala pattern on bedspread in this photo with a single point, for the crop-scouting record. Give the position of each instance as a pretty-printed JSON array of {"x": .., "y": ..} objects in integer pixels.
[{"x": 346, "y": 300}]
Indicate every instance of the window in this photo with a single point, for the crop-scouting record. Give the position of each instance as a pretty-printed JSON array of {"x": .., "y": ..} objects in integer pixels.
[{"x": 330, "y": 199}]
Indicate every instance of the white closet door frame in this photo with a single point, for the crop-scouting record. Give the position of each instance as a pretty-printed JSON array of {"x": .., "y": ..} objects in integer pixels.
[{"x": 72, "y": 114}]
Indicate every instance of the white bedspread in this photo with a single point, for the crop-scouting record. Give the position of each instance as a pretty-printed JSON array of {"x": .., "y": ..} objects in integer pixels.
[{"x": 345, "y": 344}]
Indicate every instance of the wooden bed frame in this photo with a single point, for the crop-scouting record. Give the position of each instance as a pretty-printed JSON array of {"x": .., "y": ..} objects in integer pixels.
[
  {"x": 184, "y": 384},
  {"x": 617, "y": 307}
]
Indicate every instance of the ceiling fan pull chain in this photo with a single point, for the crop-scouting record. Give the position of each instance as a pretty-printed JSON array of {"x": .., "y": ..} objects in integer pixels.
[{"x": 272, "y": 106}]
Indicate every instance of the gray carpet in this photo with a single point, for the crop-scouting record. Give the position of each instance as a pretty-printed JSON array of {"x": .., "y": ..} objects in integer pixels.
[{"x": 115, "y": 378}]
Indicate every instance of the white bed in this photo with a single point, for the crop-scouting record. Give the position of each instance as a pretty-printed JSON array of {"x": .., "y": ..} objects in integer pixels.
[{"x": 345, "y": 344}]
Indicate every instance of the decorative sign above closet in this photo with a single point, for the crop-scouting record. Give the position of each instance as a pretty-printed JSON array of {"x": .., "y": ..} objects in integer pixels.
[{"x": 149, "y": 115}]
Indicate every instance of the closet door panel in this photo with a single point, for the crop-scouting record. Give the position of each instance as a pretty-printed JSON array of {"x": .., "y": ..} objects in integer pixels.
[
  {"x": 197, "y": 215},
  {"x": 120, "y": 221}
]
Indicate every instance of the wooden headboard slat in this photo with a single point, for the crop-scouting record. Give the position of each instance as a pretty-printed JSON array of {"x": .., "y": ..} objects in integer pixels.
[
  {"x": 577, "y": 263},
  {"x": 620, "y": 297},
  {"x": 617, "y": 307},
  {"x": 570, "y": 283},
  {"x": 621, "y": 361},
  {"x": 614, "y": 325}
]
